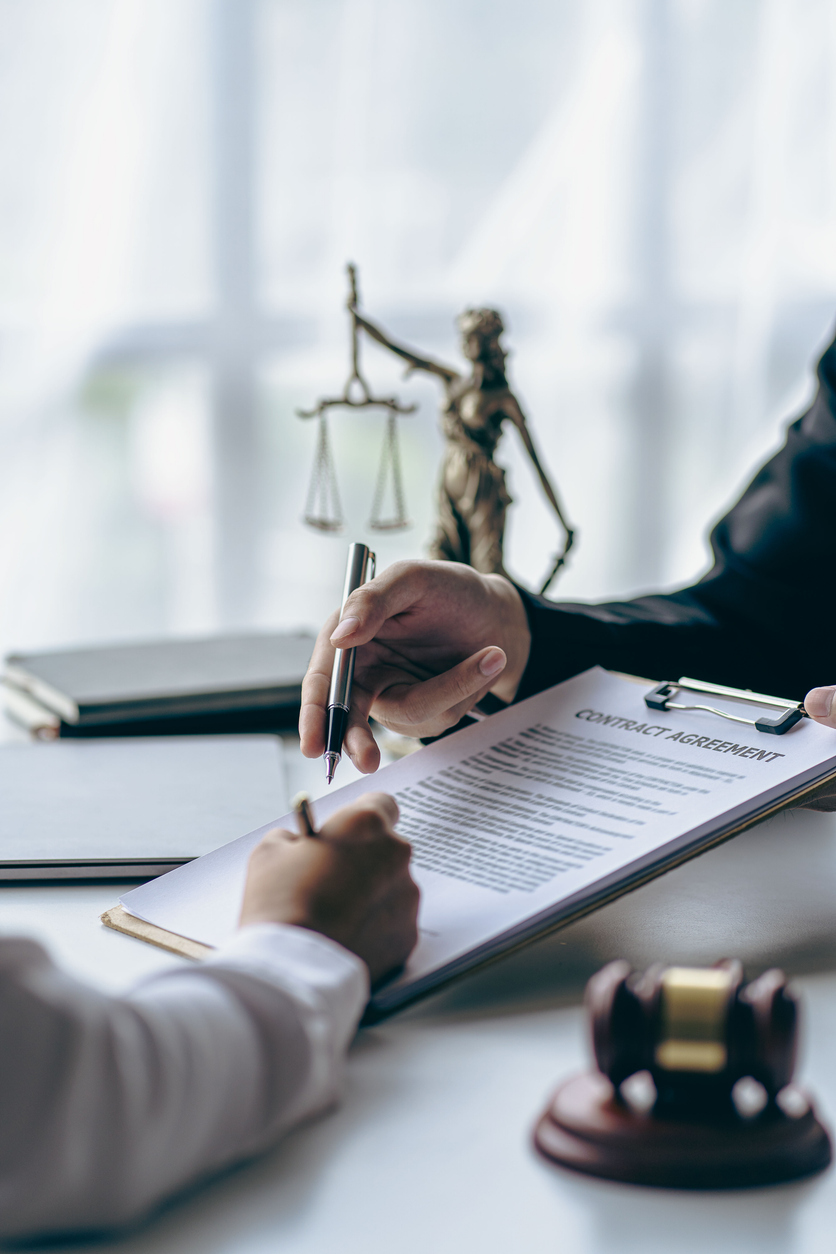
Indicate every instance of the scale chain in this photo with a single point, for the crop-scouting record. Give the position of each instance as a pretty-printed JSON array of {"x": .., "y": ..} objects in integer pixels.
[
  {"x": 323, "y": 509},
  {"x": 389, "y": 457}
]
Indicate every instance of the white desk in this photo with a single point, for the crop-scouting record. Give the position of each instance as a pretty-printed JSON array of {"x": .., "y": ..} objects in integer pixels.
[{"x": 429, "y": 1152}]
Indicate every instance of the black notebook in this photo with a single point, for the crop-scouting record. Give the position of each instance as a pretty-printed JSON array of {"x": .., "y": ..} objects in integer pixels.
[
  {"x": 130, "y": 809},
  {"x": 218, "y": 683}
]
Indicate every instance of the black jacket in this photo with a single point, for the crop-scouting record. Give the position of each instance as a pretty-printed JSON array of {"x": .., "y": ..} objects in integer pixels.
[{"x": 764, "y": 617}]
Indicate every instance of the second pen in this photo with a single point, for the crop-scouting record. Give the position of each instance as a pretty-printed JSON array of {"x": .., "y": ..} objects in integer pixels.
[{"x": 359, "y": 568}]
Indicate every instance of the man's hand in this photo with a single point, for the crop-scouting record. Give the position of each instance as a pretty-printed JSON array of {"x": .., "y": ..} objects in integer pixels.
[
  {"x": 350, "y": 882},
  {"x": 820, "y": 704},
  {"x": 432, "y": 638}
]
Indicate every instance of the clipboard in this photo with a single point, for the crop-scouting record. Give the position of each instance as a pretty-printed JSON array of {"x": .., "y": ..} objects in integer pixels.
[
  {"x": 536, "y": 927},
  {"x": 788, "y": 713},
  {"x": 120, "y": 920}
]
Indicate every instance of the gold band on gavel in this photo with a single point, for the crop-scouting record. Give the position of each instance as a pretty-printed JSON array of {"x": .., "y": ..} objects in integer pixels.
[{"x": 694, "y": 1009}]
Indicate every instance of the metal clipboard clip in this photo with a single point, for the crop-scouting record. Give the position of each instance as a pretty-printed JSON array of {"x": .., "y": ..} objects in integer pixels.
[{"x": 792, "y": 712}]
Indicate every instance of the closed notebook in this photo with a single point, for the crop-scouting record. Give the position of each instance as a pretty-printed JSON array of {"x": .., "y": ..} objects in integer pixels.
[
  {"x": 131, "y": 808},
  {"x": 254, "y": 674}
]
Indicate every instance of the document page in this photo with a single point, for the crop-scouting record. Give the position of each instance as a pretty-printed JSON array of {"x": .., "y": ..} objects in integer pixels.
[{"x": 519, "y": 819}]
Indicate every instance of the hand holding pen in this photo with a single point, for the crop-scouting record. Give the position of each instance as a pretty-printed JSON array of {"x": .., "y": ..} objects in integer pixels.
[
  {"x": 348, "y": 879},
  {"x": 431, "y": 639}
]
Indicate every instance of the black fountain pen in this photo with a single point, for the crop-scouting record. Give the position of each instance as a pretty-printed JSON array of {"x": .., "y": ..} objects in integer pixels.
[{"x": 360, "y": 561}]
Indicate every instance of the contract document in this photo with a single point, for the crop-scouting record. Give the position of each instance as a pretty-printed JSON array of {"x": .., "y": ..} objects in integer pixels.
[{"x": 526, "y": 820}]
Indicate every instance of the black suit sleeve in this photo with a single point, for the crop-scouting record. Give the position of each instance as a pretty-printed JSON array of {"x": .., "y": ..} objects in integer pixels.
[{"x": 764, "y": 617}]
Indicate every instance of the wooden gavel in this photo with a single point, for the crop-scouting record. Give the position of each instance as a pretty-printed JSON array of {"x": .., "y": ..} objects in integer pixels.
[{"x": 698, "y": 1032}]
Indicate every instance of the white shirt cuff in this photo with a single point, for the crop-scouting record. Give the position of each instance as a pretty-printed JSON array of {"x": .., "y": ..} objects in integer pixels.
[
  {"x": 285, "y": 955},
  {"x": 328, "y": 986}
]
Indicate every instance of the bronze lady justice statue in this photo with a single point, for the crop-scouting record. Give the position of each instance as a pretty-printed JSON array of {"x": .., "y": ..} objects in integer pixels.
[{"x": 473, "y": 498}]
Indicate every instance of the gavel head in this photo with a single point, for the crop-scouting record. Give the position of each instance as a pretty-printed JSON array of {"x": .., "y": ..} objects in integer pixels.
[{"x": 698, "y": 1031}]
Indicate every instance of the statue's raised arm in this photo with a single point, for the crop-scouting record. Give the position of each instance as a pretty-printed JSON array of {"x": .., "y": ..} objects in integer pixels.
[{"x": 414, "y": 360}]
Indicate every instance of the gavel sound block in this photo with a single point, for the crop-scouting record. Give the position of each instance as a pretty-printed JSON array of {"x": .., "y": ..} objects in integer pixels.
[{"x": 721, "y": 1056}]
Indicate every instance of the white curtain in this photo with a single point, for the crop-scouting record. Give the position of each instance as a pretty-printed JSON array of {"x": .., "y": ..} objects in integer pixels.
[{"x": 646, "y": 189}]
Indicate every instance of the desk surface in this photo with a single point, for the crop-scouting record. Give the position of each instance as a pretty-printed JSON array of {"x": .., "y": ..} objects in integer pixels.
[{"x": 430, "y": 1151}]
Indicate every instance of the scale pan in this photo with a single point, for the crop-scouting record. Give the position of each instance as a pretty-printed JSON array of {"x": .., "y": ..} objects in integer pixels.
[
  {"x": 390, "y": 524},
  {"x": 323, "y": 524}
]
